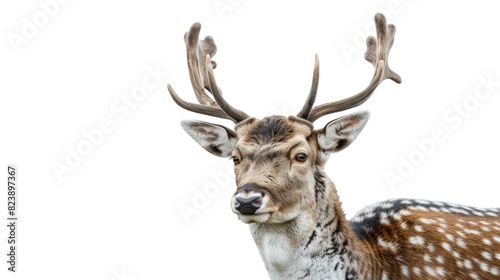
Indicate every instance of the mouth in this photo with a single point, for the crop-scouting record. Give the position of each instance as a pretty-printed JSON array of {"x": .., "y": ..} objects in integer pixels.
[
  {"x": 274, "y": 217},
  {"x": 253, "y": 218}
]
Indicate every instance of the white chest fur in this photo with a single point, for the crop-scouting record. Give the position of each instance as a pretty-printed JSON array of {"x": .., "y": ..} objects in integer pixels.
[
  {"x": 277, "y": 252},
  {"x": 283, "y": 260}
]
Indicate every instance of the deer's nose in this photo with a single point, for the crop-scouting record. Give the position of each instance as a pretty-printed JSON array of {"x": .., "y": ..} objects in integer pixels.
[{"x": 248, "y": 205}]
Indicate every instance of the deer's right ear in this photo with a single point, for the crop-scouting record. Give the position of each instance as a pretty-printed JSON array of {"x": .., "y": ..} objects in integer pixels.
[{"x": 216, "y": 139}]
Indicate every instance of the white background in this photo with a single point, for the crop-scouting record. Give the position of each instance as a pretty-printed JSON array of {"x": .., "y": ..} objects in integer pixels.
[{"x": 117, "y": 215}]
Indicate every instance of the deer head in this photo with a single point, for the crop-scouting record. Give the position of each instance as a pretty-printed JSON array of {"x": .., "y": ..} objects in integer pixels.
[{"x": 276, "y": 158}]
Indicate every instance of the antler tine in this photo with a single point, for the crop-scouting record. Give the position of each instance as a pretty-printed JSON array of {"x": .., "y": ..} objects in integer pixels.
[
  {"x": 385, "y": 39},
  {"x": 197, "y": 108},
  {"x": 236, "y": 114},
  {"x": 197, "y": 51},
  {"x": 308, "y": 105},
  {"x": 199, "y": 54},
  {"x": 377, "y": 53}
]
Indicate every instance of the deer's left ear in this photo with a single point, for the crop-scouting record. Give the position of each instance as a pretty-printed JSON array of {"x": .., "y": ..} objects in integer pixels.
[
  {"x": 341, "y": 132},
  {"x": 216, "y": 139}
]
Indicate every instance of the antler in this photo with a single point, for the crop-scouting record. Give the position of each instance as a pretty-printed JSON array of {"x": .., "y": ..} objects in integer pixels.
[
  {"x": 308, "y": 105},
  {"x": 377, "y": 53},
  {"x": 200, "y": 65}
]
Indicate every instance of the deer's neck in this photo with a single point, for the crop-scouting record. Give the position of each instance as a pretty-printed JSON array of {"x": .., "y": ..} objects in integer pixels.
[{"x": 318, "y": 244}]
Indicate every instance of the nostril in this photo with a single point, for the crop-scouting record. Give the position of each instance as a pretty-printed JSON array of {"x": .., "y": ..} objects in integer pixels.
[
  {"x": 257, "y": 202},
  {"x": 248, "y": 205}
]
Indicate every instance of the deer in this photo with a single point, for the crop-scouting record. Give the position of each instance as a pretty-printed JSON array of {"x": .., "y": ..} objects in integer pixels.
[{"x": 292, "y": 207}]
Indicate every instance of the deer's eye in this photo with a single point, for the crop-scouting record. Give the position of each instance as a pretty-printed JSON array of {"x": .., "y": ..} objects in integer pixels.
[
  {"x": 236, "y": 160},
  {"x": 301, "y": 157}
]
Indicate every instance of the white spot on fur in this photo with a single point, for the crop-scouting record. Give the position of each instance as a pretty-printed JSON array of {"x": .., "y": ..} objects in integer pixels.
[
  {"x": 438, "y": 203},
  {"x": 440, "y": 271},
  {"x": 484, "y": 266},
  {"x": 443, "y": 209},
  {"x": 396, "y": 216},
  {"x": 387, "y": 205},
  {"x": 429, "y": 270},
  {"x": 468, "y": 264},
  {"x": 431, "y": 248},
  {"x": 416, "y": 270},
  {"x": 446, "y": 246},
  {"x": 440, "y": 259},
  {"x": 487, "y": 241},
  {"x": 405, "y": 212},
  {"x": 474, "y": 276},
  {"x": 461, "y": 243},
  {"x": 459, "y": 211},
  {"x": 417, "y": 240},
  {"x": 384, "y": 219},
  {"x": 427, "y": 221},
  {"x": 494, "y": 271},
  {"x": 419, "y": 207},
  {"x": 477, "y": 213},
  {"x": 422, "y": 201},
  {"x": 486, "y": 255},
  {"x": 404, "y": 270},
  {"x": 434, "y": 209},
  {"x": 388, "y": 245},
  {"x": 471, "y": 231}
]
